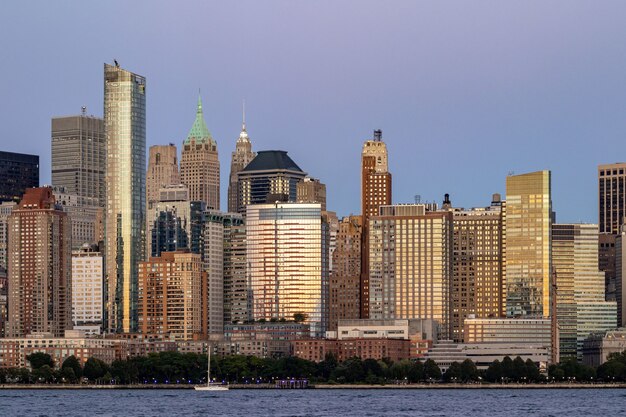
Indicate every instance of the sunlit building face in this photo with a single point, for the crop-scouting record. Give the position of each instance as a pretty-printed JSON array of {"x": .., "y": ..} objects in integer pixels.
[
  {"x": 125, "y": 124},
  {"x": 287, "y": 257},
  {"x": 528, "y": 239}
]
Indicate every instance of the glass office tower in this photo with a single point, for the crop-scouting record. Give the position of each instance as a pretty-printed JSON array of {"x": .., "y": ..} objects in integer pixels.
[{"x": 125, "y": 125}]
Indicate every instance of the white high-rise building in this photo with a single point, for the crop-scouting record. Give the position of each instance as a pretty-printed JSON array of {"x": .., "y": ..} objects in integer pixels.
[{"x": 87, "y": 293}]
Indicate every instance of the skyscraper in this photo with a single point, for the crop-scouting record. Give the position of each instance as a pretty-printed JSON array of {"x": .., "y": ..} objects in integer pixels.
[
  {"x": 162, "y": 170},
  {"x": 172, "y": 298},
  {"x": 125, "y": 126},
  {"x": 287, "y": 256},
  {"x": 39, "y": 278},
  {"x": 528, "y": 244},
  {"x": 410, "y": 254},
  {"x": 611, "y": 211},
  {"x": 375, "y": 192},
  {"x": 581, "y": 308},
  {"x": 87, "y": 291},
  {"x": 477, "y": 287},
  {"x": 174, "y": 222},
  {"x": 270, "y": 176},
  {"x": 18, "y": 172},
  {"x": 236, "y": 290},
  {"x": 199, "y": 164},
  {"x": 79, "y": 156},
  {"x": 311, "y": 190},
  {"x": 240, "y": 158},
  {"x": 345, "y": 277},
  {"x": 86, "y": 214}
]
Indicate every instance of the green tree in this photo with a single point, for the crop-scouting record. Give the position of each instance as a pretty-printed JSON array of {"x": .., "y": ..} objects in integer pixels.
[
  {"x": 453, "y": 373},
  {"x": 469, "y": 372},
  {"x": 39, "y": 359},
  {"x": 431, "y": 370},
  {"x": 94, "y": 369},
  {"x": 532, "y": 371},
  {"x": 494, "y": 372},
  {"x": 43, "y": 374},
  {"x": 72, "y": 362},
  {"x": 416, "y": 373},
  {"x": 68, "y": 375}
]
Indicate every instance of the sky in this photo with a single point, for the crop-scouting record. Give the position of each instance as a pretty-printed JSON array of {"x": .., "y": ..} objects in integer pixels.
[{"x": 464, "y": 92}]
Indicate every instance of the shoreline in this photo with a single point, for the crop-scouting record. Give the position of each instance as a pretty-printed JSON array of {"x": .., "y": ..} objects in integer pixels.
[{"x": 436, "y": 386}]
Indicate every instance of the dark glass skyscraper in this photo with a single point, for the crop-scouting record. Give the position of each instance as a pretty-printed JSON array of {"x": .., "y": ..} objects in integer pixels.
[
  {"x": 18, "y": 172},
  {"x": 270, "y": 176}
]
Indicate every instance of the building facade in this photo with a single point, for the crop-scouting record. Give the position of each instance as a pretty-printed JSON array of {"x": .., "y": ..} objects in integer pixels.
[
  {"x": 87, "y": 291},
  {"x": 86, "y": 215},
  {"x": 240, "y": 158},
  {"x": 375, "y": 192},
  {"x": 611, "y": 211},
  {"x": 79, "y": 156},
  {"x": 528, "y": 244},
  {"x": 6, "y": 207},
  {"x": 18, "y": 172},
  {"x": 39, "y": 261},
  {"x": 199, "y": 163},
  {"x": 237, "y": 308},
  {"x": 478, "y": 266},
  {"x": 410, "y": 255},
  {"x": 270, "y": 176},
  {"x": 172, "y": 296},
  {"x": 311, "y": 190},
  {"x": 125, "y": 127},
  {"x": 287, "y": 258},
  {"x": 344, "y": 285},
  {"x": 162, "y": 171},
  {"x": 174, "y": 222}
]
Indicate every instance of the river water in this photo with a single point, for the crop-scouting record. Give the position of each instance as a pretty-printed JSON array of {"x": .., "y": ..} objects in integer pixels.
[{"x": 350, "y": 402}]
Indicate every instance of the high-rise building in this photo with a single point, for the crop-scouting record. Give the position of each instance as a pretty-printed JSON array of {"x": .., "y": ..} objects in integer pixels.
[
  {"x": 311, "y": 190},
  {"x": 199, "y": 164},
  {"x": 125, "y": 126},
  {"x": 237, "y": 307},
  {"x": 345, "y": 277},
  {"x": 87, "y": 291},
  {"x": 4, "y": 296},
  {"x": 172, "y": 297},
  {"x": 287, "y": 256},
  {"x": 477, "y": 288},
  {"x": 375, "y": 192},
  {"x": 528, "y": 245},
  {"x": 162, "y": 171},
  {"x": 581, "y": 307},
  {"x": 620, "y": 278},
  {"x": 410, "y": 254},
  {"x": 270, "y": 176},
  {"x": 6, "y": 207},
  {"x": 18, "y": 172},
  {"x": 611, "y": 212},
  {"x": 213, "y": 265},
  {"x": 86, "y": 214},
  {"x": 39, "y": 273},
  {"x": 174, "y": 222},
  {"x": 240, "y": 158},
  {"x": 79, "y": 156}
]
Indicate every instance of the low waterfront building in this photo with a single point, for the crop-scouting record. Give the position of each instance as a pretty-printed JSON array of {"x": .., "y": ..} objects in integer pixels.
[
  {"x": 598, "y": 347},
  {"x": 316, "y": 349},
  {"x": 446, "y": 352}
]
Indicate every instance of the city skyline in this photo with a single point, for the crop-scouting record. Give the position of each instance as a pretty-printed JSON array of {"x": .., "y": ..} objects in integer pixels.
[{"x": 440, "y": 98}]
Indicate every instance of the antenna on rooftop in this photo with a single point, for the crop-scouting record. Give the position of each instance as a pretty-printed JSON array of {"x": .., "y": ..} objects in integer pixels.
[{"x": 84, "y": 110}]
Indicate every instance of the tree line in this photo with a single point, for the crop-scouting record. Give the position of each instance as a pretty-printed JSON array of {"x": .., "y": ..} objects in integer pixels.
[{"x": 190, "y": 368}]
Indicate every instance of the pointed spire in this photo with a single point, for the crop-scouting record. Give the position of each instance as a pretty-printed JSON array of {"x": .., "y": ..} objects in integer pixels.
[
  {"x": 243, "y": 136},
  {"x": 199, "y": 111},
  {"x": 243, "y": 115},
  {"x": 199, "y": 131}
]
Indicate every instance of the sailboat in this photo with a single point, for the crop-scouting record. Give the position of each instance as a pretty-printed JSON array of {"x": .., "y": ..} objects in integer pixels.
[{"x": 208, "y": 386}]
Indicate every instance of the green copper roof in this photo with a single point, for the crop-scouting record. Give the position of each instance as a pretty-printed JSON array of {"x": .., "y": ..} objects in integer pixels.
[{"x": 199, "y": 131}]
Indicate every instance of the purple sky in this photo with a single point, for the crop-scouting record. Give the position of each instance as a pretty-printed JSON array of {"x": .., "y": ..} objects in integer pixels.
[{"x": 464, "y": 91}]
